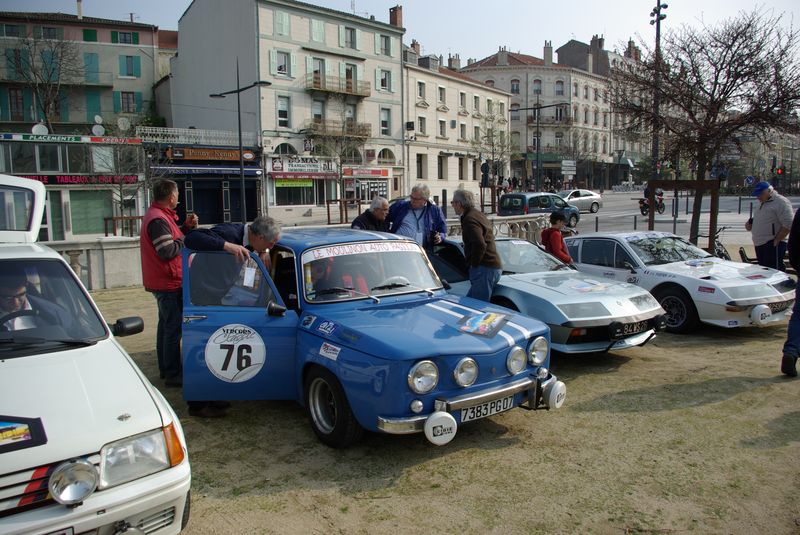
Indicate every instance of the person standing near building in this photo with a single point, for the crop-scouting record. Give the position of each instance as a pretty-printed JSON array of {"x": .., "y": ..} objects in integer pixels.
[
  {"x": 791, "y": 348},
  {"x": 485, "y": 266},
  {"x": 553, "y": 239},
  {"x": 770, "y": 226},
  {"x": 374, "y": 217},
  {"x": 418, "y": 218}
]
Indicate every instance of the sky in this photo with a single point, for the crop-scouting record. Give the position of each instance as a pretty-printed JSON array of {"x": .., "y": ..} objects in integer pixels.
[{"x": 466, "y": 27}]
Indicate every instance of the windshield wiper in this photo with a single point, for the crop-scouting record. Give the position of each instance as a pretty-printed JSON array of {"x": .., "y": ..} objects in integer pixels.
[
  {"x": 390, "y": 286},
  {"x": 560, "y": 266},
  {"x": 343, "y": 289},
  {"x": 38, "y": 340}
]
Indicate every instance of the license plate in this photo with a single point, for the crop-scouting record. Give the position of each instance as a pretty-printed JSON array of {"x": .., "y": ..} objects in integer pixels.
[
  {"x": 636, "y": 327},
  {"x": 487, "y": 409},
  {"x": 780, "y": 307}
]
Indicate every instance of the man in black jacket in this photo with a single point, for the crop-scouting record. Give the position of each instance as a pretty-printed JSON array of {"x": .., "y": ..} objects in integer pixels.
[
  {"x": 485, "y": 266},
  {"x": 791, "y": 348},
  {"x": 374, "y": 217}
]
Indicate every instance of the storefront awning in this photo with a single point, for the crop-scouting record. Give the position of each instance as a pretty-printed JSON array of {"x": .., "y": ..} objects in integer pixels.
[{"x": 201, "y": 170}]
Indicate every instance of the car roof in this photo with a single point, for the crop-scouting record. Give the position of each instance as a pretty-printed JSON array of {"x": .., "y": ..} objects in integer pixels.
[
  {"x": 528, "y": 194},
  {"x": 30, "y": 233},
  {"x": 301, "y": 238},
  {"x": 623, "y": 235}
]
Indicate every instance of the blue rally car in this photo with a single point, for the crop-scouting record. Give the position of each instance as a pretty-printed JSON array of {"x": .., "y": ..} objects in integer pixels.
[{"x": 357, "y": 327}]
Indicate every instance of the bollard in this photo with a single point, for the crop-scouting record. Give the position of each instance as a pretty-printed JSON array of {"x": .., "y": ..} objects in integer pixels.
[
  {"x": 687, "y": 203},
  {"x": 596, "y": 223},
  {"x": 674, "y": 223},
  {"x": 740, "y": 204},
  {"x": 674, "y": 207},
  {"x": 751, "y": 209},
  {"x": 634, "y": 222}
]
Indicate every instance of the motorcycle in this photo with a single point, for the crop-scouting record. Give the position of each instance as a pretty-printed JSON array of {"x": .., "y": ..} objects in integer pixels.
[
  {"x": 719, "y": 250},
  {"x": 644, "y": 203}
]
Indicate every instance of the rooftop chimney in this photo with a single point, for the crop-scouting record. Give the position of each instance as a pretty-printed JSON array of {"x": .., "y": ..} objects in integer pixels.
[
  {"x": 80, "y": 10},
  {"x": 453, "y": 62},
  {"x": 396, "y": 16},
  {"x": 502, "y": 56},
  {"x": 415, "y": 46},
  {"x": 548, "y": 53},
  {"x": 589, "y": 63}
]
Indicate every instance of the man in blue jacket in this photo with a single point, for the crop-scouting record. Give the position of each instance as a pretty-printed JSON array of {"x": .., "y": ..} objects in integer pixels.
[{"x": 418, "y": 218}]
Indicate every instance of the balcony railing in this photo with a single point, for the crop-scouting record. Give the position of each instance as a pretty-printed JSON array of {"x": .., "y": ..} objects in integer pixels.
[
  {"x": 337, "y": 84},
  {"x": 194, "y": 136},
  {"x": 92, "y": 79},
  {"x": 348, "y": 128}
]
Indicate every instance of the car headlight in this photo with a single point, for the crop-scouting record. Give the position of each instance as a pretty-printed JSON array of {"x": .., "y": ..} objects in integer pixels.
[
  {"x": 133, "y": 457},
  {"x": 72, "y": 481},
  {"x": 423, "y": 377},
  {"x": 537, "y": 351},
  {"x": 466, "y": 372},
  {"x": 516, "y": 360}
]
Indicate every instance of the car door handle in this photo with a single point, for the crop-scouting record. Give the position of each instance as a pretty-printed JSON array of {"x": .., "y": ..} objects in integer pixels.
[{"x": 189, "y": 319}]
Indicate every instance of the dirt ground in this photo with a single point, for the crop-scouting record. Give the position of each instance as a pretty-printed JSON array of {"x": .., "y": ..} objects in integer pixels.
[{"x": 695, "y": 434}]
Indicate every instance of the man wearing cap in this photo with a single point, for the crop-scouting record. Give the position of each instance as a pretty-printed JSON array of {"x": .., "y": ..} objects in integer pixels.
[{"x": 770, "y": 226}]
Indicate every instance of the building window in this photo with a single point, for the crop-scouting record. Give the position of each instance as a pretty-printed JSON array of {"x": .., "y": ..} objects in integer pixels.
[
  {"x": 605, "y": 119},
  {"x": 559, "y": 113},
  {"x": 48, "y": 157},
  {"x": 420, "y": 89},
  {"x": 386, "y": 45},
  {"x": 575, "y": 89},
  {"x": 596, "y": 117},
  {"x": 12, "y": 30},
  {"x": 49, "y": 32},
  {"x": 282, "y": 63},
  {"x": 476, "y": 133},
  {"x": 489, "y": 106},
  {"x": 489, "y": 83},
  {"x": 421, "y": 125},
  {"x": 442, "y": 95},
  {"x": 16, "y": 106},
  {"x": 515, "y": 112},
  {"x": 537, "y": 87},
  {"x": 559, "y": 139},
  {"x": 130, "y": 66},
  {"x": 441, "y": 167},
  {"x": 501, "y": 107},
  {"x": 422, "y": 166},
  {"x": 125, "y": 38},
  {"x": 442, "y": 128},
  {"x": 281, "y": 23},
  {"x": 350, "y": 38},
  {"x": 586, "y": 91},
  {"x": 462, "y": 131},
  {"x": 128, "y": 101},
  {"x": 515, "y": 87},
  {"x": 462, "y": 164},
  {"x": 594, "y": 145},
  {"x": 317, "y": 31},
  {"x": 596, "y": 94},
  {"x": 283, "y": 112},
  {"x": 476, "y": 103},
  {"x": 386, "y": 80},
  {"x": 386, "y": 121},
  {"x": 559, "y": 88},
  {"x": 317, "y": 110}
]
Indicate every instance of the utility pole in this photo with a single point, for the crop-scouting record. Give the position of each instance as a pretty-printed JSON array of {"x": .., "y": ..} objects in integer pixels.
[{"x": 657, "y": 17}]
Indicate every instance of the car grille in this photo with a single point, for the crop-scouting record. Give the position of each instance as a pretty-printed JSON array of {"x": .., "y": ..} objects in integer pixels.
[
  {"x": 157, "y": 521},
  {"x": 27, "y": 489}
]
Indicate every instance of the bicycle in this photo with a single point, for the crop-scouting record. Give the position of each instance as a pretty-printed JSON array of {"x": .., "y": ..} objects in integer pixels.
[{"x": 719, "y": 250}]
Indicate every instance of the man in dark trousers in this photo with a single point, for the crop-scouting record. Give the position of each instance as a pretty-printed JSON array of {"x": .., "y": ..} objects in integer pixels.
[
  {"x": 791, "y": 348},
  {"x": 374, "y": 217},
  {"x": 484, "y": 263}
]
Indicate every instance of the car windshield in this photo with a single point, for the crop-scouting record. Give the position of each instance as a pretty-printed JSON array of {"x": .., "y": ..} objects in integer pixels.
[
  {"x": 665, "y": 250},
  {"x": 563, "y": 193},
  {"x": 43, "y": 308},
  {"x": 521, "y": 256},
  {"x": 361, "y": 270}
]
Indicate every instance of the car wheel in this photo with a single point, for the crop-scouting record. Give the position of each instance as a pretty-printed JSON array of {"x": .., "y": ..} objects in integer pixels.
[
  {"x": 505, "y": 302},
  {"x": 331, "y": 418},
  {"x": 594, "y": 207},
  {"x": 187, "y": 507},
  {"x": 573, "y": 221},
  {"x": 681, "y": 313}
]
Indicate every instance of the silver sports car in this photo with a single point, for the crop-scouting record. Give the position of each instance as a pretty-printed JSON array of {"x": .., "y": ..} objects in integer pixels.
[{"x": 585, "y": 313}]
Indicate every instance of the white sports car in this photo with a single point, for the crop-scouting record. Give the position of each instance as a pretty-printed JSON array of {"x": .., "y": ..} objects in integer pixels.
[
  {"x": 585, "y": 314},
  {"x": 691, "y": 285}
]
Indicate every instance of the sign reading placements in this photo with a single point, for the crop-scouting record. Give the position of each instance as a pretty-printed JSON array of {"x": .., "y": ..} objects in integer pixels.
[
  {"x": 235, "y": 353},
  {"x": 57, "y": 138}
]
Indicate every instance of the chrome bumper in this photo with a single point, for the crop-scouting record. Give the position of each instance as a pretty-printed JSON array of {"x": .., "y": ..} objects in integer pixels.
[{"x": 415, "y": 424}]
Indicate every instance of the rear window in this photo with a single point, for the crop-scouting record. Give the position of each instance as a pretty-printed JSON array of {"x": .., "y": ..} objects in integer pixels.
[
  {"x": 16, "y": 208},
  {"x": 511, "y": 202}
]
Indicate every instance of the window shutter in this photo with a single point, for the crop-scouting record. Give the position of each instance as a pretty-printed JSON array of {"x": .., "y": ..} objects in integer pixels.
[
  {"x": 341, "y": 36},
  {"x": 391, "y": 47},
  {"x": 273, "y": 62},
  {"x": 60, "y": 34},
  {"x": 37, "y": 32},
  {"x": 89, "y": 35},
  {"x": 135, "y": 38},
  {"x": 138, "y": 97},
  {"x": 360, "y": 73},
  {"x": 317, "y": 30},
  {"x": 117, "y": 101},
  {"x": 64, "y": 106},
  {"x": 358, "y": 39},
  {"x": 27, "y": 103},
  {"x": 4, "y": 112},
  {"x": 137, "y": 66},
  {"x": 92, "y": 105},
  {"x": 377, "y": 44},
  {"x": 377, "y": 79},
  {"x": 91, "y": 67},
  {"x": 11, "y": 68},
  {"x": 122, "y": 66},
  {"x": 309, "y": 64},
  {"x": 293, "y": 65},
  {"x": 391, "y": 82},
  {"x": 342, "y": 71},
  {"x": 115, "y": 37},
  {"x": 287, "y": 29}
]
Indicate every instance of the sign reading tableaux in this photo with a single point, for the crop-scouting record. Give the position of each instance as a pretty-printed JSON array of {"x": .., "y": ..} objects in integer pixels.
[{"x": 177, "y": 153}]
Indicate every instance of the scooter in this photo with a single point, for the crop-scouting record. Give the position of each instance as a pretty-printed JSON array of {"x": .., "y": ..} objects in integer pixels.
[
  {"x": 719, "y": 250},
  {"x": 644, "y": 203}
]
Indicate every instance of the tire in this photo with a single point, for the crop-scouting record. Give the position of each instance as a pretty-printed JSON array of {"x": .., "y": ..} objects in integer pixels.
[
  {"x": 643, "y": 209},
  {"x": 681, "y": 312},
  {"x": 594, "y": 207},
  {"x": 660, "y": 207},
  {"x": 572, "y": 221},
  {"x": 328, "y": 410},
  {"x": 505, "y": 302}
]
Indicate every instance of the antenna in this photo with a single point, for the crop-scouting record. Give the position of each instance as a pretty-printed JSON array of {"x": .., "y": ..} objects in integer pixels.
[{"x": 353, "y": 9}]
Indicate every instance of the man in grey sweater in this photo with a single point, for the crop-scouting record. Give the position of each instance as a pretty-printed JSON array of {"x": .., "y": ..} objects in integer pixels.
[{"x": 770, "y": 226}]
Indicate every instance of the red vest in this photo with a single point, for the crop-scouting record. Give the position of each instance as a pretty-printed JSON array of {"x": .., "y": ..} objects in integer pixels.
[{"x": 157, "y": 274}]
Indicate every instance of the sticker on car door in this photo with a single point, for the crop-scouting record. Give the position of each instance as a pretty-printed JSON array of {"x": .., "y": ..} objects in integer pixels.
[{"x": 235, "y": 353}]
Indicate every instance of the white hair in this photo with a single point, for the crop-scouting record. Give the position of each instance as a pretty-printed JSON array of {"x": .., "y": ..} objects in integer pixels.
[{"x": 377, "y": 202}]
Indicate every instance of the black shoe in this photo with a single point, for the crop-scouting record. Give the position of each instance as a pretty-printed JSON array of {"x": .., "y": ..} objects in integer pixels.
[
  {"x": 788, "y": 365},
  {"x": 220, "y": 404},
  {"x": 206, "y": 411},
  {"x": 174, "y": 381}
]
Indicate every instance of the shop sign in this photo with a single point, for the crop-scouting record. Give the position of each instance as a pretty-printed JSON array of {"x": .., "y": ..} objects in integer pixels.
[
  {"x": 302, "y": 164},
  {"x": 374, "y": 173},
  {"x": 187, "y": 153},
  {"x": 56, "y": 138},
  {"x": 66, "y": 180},
  {"x": 292, "y": 183}
]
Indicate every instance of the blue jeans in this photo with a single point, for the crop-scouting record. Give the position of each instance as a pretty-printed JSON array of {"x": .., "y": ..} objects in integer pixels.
[
  {"x": 168, "y": 335},
  {"x": 482, "y": 280},
  {"x": 770, "y": 256},
  {"x": 792, "y": 345}
]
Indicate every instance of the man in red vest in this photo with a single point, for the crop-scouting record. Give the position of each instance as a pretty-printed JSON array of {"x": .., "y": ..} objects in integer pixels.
[{"x": 160, "y": 245}]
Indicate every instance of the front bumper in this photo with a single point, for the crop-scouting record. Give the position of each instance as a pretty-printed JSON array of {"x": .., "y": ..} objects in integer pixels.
[{"x": 537, "y": 391}]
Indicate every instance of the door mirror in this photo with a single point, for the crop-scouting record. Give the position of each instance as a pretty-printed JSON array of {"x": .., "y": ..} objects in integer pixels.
[
  {"x": 128, "y": 326},
  {"x": 274, "y": 309},
  {"x": 629, "y": 266}
]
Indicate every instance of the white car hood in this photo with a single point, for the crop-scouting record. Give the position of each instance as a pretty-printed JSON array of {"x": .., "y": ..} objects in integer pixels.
[
  {"x": 568, "y": 283},
  {"x": 85, "y": 398},
  {"x": 720, "y": 270}
]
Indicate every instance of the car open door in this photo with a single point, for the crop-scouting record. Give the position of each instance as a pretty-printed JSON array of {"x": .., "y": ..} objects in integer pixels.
[{"x": 238, "y": 340}]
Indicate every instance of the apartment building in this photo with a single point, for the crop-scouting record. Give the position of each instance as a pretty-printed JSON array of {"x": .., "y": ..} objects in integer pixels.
[
  {"x": 334, "y": 77},
  {"x": 448, "y": 116}
]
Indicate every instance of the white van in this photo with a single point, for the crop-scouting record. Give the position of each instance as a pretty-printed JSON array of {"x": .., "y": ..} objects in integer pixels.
[{"x": 87, "y": 444}]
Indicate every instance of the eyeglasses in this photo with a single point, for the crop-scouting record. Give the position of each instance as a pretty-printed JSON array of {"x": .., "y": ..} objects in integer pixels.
[
  {"x": 417, "y": 198},
  {"x": 20, "y": 296}
]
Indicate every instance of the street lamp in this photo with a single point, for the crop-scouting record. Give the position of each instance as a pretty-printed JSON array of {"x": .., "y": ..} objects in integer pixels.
[
  {"x": 657, "y": 17},
  {"x": 238, "y": 91}
]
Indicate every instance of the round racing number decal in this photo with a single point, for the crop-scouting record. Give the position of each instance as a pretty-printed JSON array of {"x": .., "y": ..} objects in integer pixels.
[{"x": 235, "y": 353}]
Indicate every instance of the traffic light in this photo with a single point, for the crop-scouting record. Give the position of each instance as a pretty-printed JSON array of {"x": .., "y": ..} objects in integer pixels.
[{"x": 779, "y": 171}]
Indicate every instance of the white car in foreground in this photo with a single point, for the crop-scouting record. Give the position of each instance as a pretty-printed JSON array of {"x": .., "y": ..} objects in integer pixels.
[
  {"x": 87, "y": 444},
  {"x": 691, "y": 285}
]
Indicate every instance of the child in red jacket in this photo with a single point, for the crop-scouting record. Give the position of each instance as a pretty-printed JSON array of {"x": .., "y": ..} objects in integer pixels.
[{"x": 552, "y": 239}]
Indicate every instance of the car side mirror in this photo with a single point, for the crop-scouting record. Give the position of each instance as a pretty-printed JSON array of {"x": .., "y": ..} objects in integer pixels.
[
  {"x": 629, "y": 266},
  {"x": 128, "y": 326},
  {"x": 446, "y": 285},
  {"x": 275, "y": 309}
]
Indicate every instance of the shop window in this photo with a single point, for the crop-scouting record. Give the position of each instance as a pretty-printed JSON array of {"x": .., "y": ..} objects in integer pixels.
[
  {"x": 23, "y": 157},
  {"x": 78, "y": 158},
  {"x": 88, "y": 208},
  {"x": 285, "y": 148},
  {"x": 386, "y": 157},
  {"x": 49, "y": 157}
]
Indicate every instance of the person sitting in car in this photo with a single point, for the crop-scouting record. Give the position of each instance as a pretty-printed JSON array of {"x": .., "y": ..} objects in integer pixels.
[{"x": 20, "y": 309}]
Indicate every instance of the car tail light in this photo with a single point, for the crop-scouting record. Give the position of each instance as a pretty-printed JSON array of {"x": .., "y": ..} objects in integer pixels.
[{"x": 525, "y": 209}]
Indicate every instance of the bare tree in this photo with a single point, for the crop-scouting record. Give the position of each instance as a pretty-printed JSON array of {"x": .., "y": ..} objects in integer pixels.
[
  {"x": 715, "y": 83},
  {"x": 494, "y": 142},
  {"x": 46, "y": 64}
]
